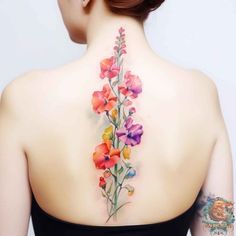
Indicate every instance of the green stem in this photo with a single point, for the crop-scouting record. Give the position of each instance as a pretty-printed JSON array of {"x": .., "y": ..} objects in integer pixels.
[
  {"x": 109, "y": 118},
  {"x": 115, "y": 193},
  {"x": 123, "y": 180},
  {"x": 116, "y": 141},
  {"x": 116, "y": 211},
  {"x": 108, "y": 197},
  {"x": 116, "y": 165},
  {"x": 111, "y": 172},
  {"x": 115, "y": 93}
]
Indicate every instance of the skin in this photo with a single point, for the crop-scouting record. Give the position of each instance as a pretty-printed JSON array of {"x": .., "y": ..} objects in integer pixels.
[{"x": 185, "y": 146}]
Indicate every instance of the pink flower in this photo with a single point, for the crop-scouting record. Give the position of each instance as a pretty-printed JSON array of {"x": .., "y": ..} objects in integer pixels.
[
  {"x": 131, "y": 85},
  {"x": 120, "y": 46},
  {"x": 132, "y": 110},
  {"x": 106, "y": 174},
  {"x": 109, "y": 68},
  {"x": 127, "y": 102},
  {"x": 123, "y": 51},
  {"x": 121, "y": 30}
]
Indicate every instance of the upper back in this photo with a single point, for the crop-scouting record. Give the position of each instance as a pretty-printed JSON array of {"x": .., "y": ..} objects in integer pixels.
[{"x": 61, "y": 131}]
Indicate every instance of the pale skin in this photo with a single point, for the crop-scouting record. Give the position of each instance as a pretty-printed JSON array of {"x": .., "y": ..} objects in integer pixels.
[{"x": 48, "y": 132}]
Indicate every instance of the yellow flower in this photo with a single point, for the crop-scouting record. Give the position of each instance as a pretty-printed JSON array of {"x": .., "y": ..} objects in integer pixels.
[
  {"x": 130, "y": 193},
  {"x": 114, "y": 114},
  {"x": 126, "y": 152},
  {"x": 108, "y": 132},
  {"x": 130, "y": 189}
]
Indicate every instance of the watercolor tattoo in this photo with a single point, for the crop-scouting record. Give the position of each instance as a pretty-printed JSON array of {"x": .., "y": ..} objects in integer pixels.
[
  {"x": 113, "y": 154},
  {"x": 216, "y": 213}
]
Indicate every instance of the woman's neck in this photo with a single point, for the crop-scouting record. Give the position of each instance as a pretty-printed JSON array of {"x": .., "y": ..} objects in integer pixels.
[{"x": 102, "y": 32}]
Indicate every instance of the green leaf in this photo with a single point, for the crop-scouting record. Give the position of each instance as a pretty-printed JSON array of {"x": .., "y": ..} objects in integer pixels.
[
  {"x": 109, "y": 190},
  {"x": 120, "y": 170}
]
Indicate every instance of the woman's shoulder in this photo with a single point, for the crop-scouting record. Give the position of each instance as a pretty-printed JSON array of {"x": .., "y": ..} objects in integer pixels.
[
  {"x": 190, "y": 86},
  {"x": 12, "y": 93},
  {"x": 29, "y": 83},
  {"x": 205, "y": 91}
]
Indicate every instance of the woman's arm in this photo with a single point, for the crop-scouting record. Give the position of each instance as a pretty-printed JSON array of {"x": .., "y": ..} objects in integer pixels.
[
  {"x": 215, "y": 208},
  {"x": 15, "y": 194}
]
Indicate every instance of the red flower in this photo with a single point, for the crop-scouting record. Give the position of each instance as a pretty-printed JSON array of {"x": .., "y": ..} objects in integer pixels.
[
  {"x": 105, "y": 157},
  {"x": 103, "y": 100},
  {"x": 109, "y": 68},
  {"x": 102, "y": 182}
]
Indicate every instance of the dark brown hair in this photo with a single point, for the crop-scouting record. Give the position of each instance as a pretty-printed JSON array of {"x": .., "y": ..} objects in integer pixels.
[{"x": 139, "y": 9}]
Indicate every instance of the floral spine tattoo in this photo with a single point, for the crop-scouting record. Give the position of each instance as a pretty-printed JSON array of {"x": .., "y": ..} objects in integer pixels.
[
  {"x": 217, "y": 214},
  {"x": 115, "y": 100}
]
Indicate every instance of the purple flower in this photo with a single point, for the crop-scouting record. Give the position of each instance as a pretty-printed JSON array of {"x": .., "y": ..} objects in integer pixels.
[
  {"x": 131, "y": 86},
  {"x": 131, "y": 133}
]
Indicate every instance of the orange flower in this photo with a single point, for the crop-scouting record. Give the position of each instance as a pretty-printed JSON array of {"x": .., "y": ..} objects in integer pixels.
[
  {"x": 103, "y": 100},
  {"x": 104, "y": 156}
]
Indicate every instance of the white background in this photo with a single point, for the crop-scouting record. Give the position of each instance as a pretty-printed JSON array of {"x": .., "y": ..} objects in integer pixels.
[{"x": 195, "y": 34}]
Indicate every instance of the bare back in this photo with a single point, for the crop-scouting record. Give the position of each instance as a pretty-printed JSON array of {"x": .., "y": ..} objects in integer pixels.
[
  {"x": 61, "y": 131},
  {"x": 65, "y": 140}
]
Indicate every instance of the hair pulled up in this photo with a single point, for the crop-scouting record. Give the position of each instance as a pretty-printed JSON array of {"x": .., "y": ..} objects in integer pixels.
[{"x": 137, "y": 8}]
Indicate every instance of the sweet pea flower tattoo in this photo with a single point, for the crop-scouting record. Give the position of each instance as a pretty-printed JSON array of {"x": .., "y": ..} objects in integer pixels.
[{"x": 112, "y": 156}]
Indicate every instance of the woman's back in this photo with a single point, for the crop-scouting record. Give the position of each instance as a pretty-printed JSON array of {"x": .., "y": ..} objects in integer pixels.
[
  {"x": 74, "y": 129},
  {"x": 62, "y": 131}
]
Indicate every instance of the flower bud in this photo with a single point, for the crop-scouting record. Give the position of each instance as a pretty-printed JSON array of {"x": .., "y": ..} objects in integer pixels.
[{"x": 126, "y": 152}]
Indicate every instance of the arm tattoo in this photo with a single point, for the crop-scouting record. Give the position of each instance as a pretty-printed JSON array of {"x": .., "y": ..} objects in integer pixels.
[{"x": 216, "y": 213}]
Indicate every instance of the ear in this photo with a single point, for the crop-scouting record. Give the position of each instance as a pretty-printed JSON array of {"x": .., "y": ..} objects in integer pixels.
[{"x": 85, "y": 2}]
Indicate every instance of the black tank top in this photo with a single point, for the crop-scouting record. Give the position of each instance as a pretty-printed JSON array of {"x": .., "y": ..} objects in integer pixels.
[{"x": 45, "y": 224}]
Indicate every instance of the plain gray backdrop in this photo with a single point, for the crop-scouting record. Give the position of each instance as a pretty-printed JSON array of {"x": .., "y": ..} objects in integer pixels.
[{"x": 195, "y": 34}]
